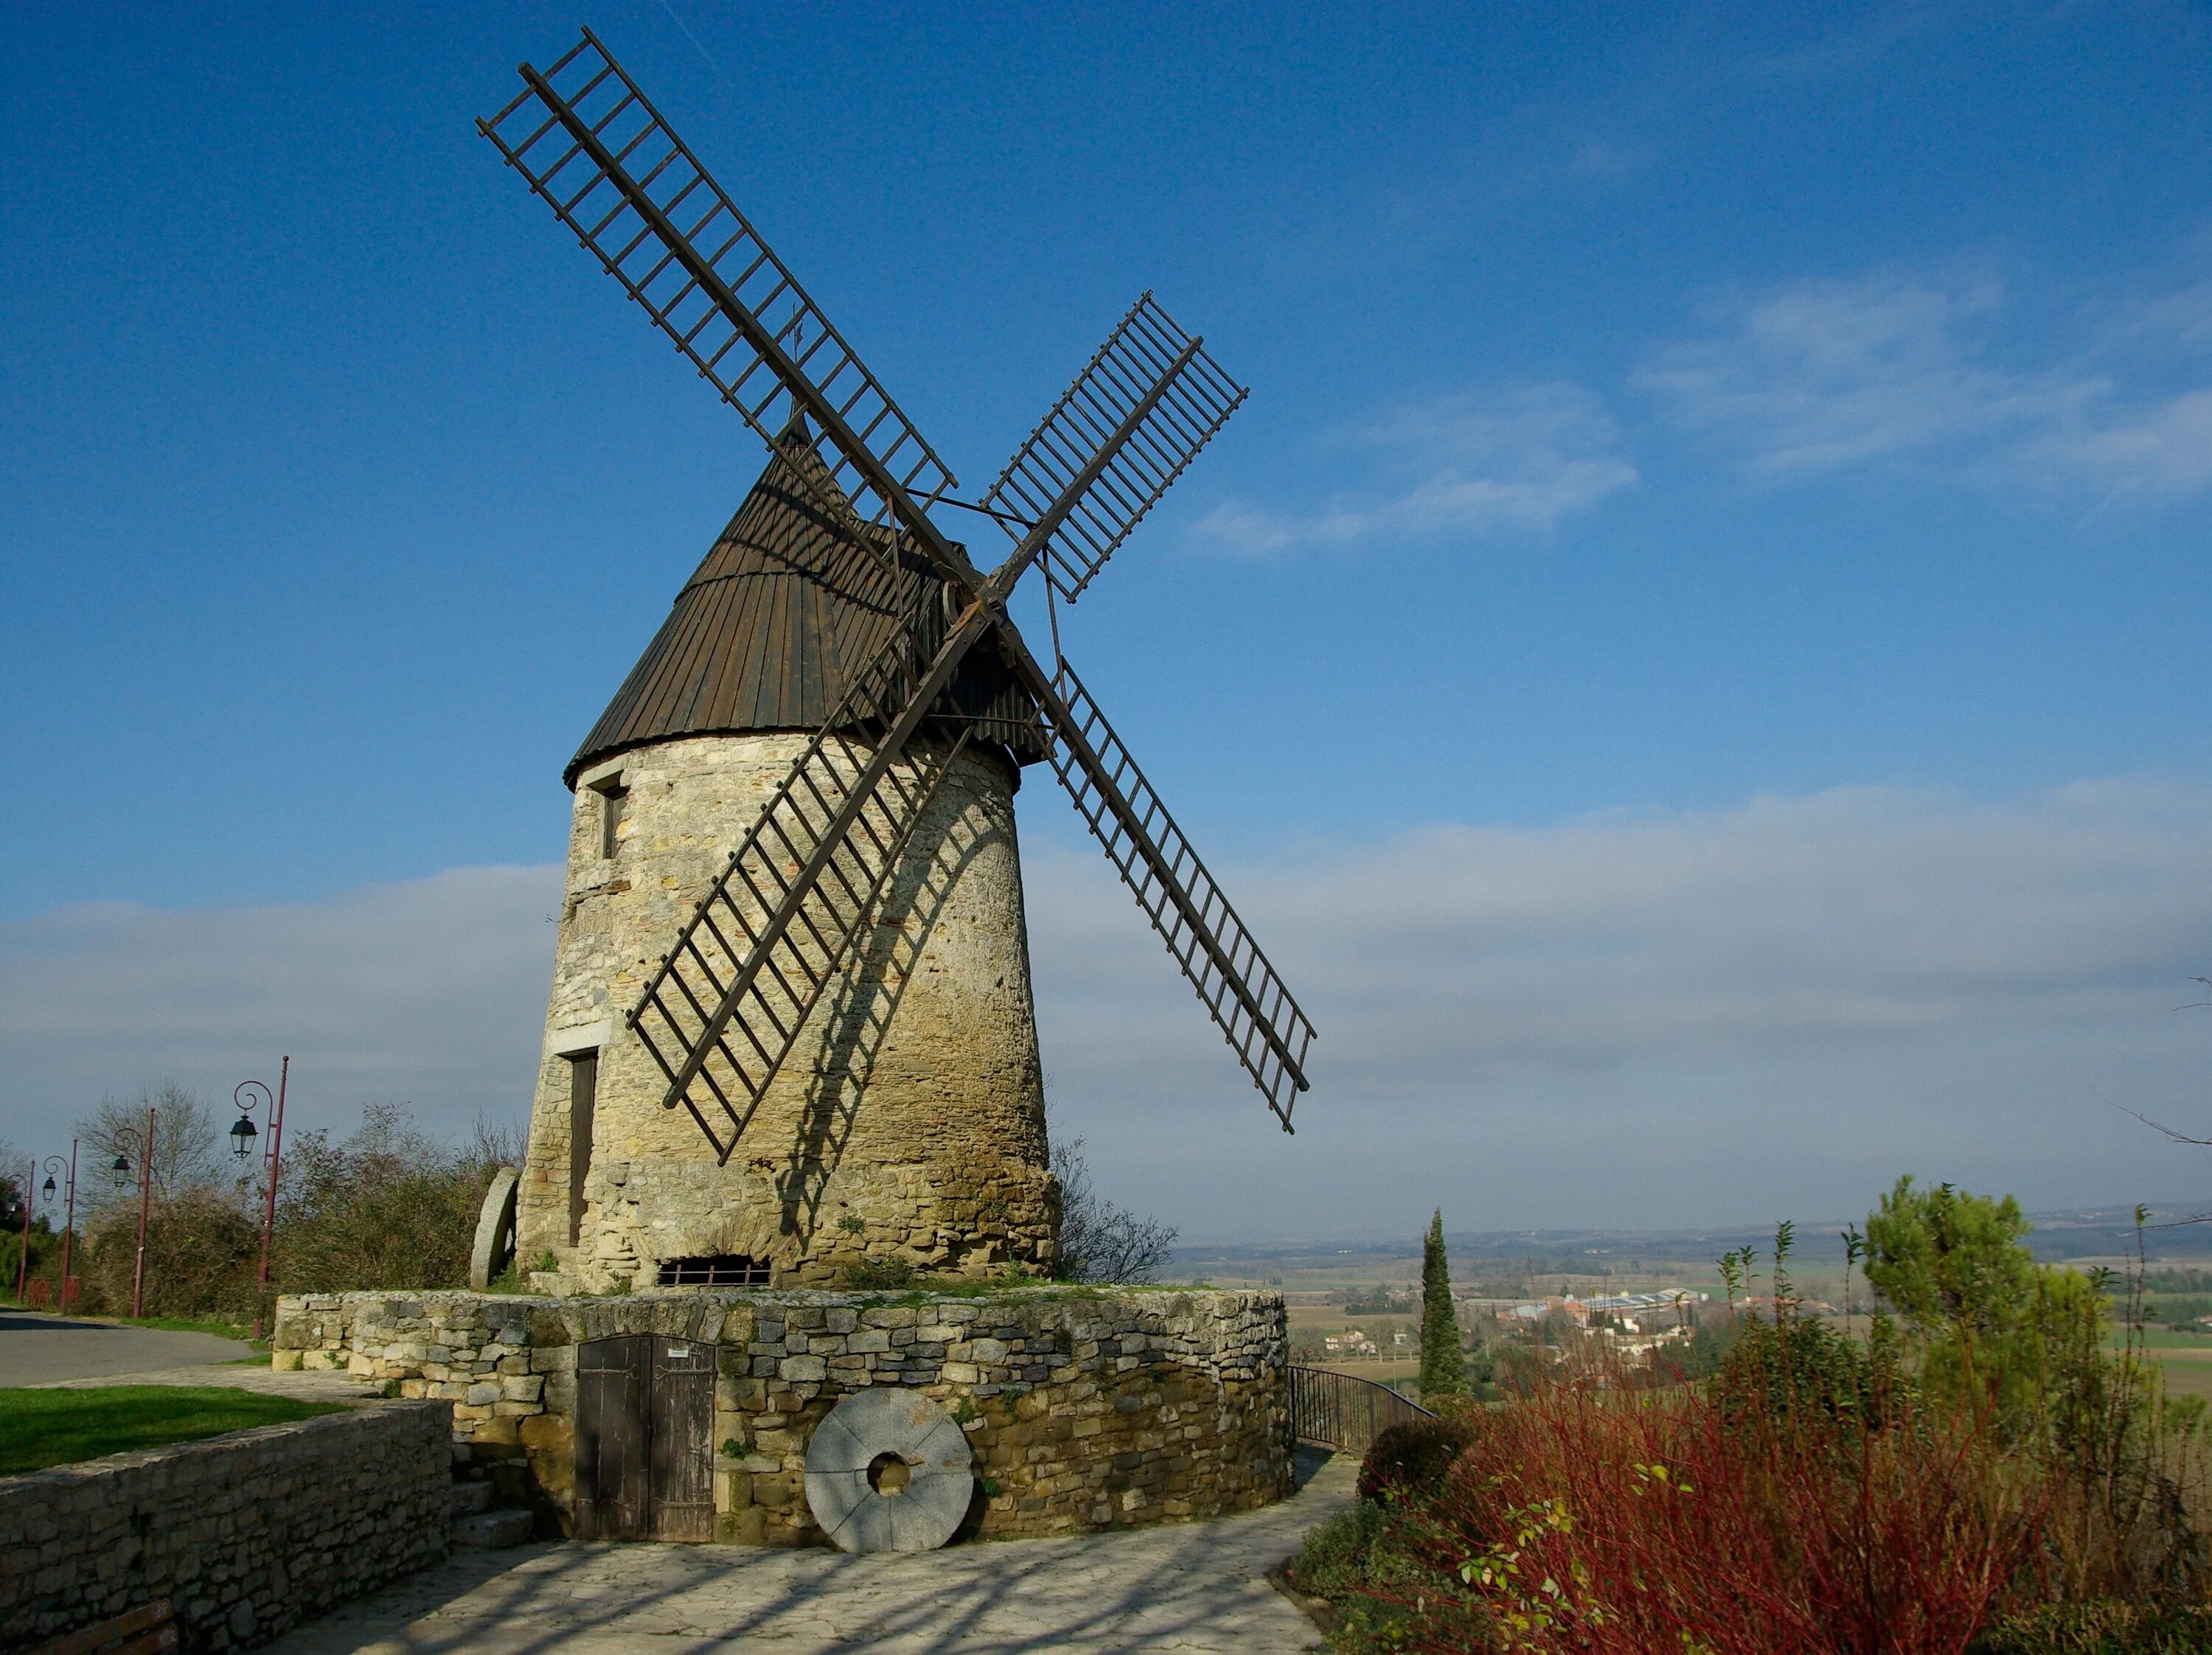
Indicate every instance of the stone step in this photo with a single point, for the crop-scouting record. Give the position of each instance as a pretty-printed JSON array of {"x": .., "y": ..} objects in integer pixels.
[
  {"x": 493, "y": 1529},
  {"x": 471, "y": 1498}
]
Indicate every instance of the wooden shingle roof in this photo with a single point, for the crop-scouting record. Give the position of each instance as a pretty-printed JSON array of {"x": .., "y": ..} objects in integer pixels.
[{"x": 762, "y": 637}]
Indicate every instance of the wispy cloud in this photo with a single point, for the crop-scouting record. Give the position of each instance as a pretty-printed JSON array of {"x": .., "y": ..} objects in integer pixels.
[
  {"x": 1821, "y": 374},
  {"x": 430, "y": 992},
  {"x": 1479, "y": 463},
  {"x": 1817, "y": 376},
  {"x": 2159, "y": 448},
  {"x": 1575, "y": 1019},
  {"x": 1733, "y": 1013}
]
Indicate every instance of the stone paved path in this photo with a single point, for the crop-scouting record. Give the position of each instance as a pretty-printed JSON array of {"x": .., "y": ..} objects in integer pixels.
[{"x": 1194, "y": 1587}]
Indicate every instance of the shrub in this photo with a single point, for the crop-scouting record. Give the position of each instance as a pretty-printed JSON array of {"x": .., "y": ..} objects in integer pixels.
[
  {"x": 1362, "y": 1560},
  {"x": 874, "y": 1274},
  {"x": 1340, "y": 1554},
  {"x": 1588, "y": 1516},
  {"x": 2105, "y": 1627},
  {"x": 1410, "y": 1460},
  {"x": 1939, "y": 1488},
  {"x": 2025, "y": 1347},
  {"x": 1102, "y": 1242},
  {"x": 202, "y": 1252},
  {"x": 390, "y": 1207},
  {"x": 1796, "y": 1369}
]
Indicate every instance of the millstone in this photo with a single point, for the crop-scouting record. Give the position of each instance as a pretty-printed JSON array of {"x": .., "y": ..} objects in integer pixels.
[{"x": 889, "y": 1423}]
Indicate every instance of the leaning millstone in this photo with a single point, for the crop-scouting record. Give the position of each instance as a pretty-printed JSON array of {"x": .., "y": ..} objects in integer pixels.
[{"x": 911, "y": 1428}]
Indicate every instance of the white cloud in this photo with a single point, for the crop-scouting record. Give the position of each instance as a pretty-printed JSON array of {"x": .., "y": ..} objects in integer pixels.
[
  {"x": 1820, "y": 375},
  {"x": 1472, "y": 463},
  {"x": 2160, "y": 448},
  {"x": 430, "y": 992},
  {"x": 1823, "y": 375},
  {"x": 1566, "y": 1025},
  {"x": 1734, "y": 1015}
]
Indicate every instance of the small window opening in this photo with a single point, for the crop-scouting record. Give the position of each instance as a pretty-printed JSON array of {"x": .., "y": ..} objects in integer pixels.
[
  {"x": 612, "y": 794},
  {"x": 583, "y": 1095},
  {"x": 723, "y": 1270}
]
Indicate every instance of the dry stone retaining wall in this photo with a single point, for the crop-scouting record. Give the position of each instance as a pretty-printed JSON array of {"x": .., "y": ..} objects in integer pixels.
[
  {"x": 246, "y": 1534},
  {"x": 1086, "y": 1409}
]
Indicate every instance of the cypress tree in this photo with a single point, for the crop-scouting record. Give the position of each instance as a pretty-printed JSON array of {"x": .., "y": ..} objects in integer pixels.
[{"x": 1443, "y": 1370}]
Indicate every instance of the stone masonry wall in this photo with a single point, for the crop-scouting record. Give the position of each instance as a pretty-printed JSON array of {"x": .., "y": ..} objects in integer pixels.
[
  {"x": 943, "y": 1167},
  {"x": 1086, "y": 1409},
  {"x": 247, "y": 1534}
]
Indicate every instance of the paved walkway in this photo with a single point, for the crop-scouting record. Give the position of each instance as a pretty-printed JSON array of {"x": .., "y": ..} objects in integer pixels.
[
  {"x": 237, "y": 1376},
  {"x": 1192, "y": 1586},
  {"x": 40, "y": 1350}
]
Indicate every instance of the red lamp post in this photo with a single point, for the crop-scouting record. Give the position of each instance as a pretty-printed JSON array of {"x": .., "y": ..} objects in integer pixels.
[
  {"x": 55, "y": 1169},
  {"x": 248, "y": 1096},
  {"x": 145, "y": 1204}
]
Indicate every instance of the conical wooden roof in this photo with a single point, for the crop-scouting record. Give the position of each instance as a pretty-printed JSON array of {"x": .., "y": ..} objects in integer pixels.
[{"x": 763, "y": 636}]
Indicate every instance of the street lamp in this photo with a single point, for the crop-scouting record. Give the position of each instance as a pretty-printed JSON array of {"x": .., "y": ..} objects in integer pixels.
[
  {"x": 250, "y": 1095},
  {"x": 145, "y": 1148},
  {"x": 68, "y": 1226},
  {"x": 55, "y": 1168}
]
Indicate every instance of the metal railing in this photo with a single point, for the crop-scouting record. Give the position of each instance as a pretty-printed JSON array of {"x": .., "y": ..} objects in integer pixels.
[{"x": 1338, "y": 1411}]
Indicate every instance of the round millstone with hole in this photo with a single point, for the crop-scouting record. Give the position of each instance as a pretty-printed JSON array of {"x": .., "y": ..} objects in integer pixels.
[{"x": 888, "y": 1471}]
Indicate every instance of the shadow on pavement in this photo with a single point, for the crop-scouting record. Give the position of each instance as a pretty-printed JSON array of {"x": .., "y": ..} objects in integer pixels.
[{"x": 1197, "y": 1586}]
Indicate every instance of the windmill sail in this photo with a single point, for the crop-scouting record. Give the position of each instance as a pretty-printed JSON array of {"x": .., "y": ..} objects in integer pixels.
[
  {"x": 1234, "y": 981},
  {"x": 723, "y": 1011},
  {"x": 1149, "y": 367},
  {"x": 596, "y": 149}
]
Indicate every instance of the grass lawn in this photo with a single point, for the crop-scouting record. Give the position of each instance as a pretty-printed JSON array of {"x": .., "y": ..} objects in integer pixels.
[{"x": 39, "y": 1428}]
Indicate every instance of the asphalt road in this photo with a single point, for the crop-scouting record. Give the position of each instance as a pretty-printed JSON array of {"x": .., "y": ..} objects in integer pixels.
[{"x": 40, "y": 1350}]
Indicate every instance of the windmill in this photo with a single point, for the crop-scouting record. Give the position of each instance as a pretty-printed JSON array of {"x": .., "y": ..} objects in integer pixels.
[{"x": 840, "y": 679}]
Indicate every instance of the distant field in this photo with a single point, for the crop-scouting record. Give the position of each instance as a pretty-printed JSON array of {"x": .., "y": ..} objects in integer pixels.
[{"x": 2188, "y": 1373}]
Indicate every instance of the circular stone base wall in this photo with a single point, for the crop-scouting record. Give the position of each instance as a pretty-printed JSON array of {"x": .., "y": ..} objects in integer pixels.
[{"x": 1086, "y": 1408}]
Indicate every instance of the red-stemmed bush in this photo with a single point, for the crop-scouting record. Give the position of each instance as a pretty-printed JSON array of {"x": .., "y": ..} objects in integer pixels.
[{"x": 1590, "y": 1515}]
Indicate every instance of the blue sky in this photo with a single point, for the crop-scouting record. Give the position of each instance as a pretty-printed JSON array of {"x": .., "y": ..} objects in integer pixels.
[{"x": 1676, "y": 434}]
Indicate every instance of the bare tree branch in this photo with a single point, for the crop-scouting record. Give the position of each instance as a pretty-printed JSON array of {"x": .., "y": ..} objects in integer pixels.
[{"x": 1100, "y": 1241}]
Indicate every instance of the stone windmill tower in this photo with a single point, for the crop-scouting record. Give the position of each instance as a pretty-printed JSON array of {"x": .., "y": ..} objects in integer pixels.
[{"x": 791, "y": 1027}]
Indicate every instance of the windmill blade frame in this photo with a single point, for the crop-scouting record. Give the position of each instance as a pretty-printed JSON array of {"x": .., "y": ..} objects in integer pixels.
[
  {"x": 709, "y": 308},
  {"x": 616, "y": 174},
  {"x": 1236, "y": 981},
  {"x": 1148, "y": 366}
]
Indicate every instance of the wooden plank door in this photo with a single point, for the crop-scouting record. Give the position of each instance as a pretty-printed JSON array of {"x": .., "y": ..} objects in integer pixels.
[
  {"x": 683, "y": 1446},
  {"x": 613, "y": 1438}
]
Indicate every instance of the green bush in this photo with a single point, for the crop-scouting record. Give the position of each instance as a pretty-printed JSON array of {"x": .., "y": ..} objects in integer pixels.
[
  {"x": 390, "y": 1207},
  {"x": 203, "y": 1251},
  {"x": 2107, "y": 1627},
  {"x": 1785, "y": 1371},
  {"x": 1340, "y": 1551},
  {"x": 1358, "y": 1561},
  {"x": 876, "y": 1275},
  {"x": 1411, "y": 1460}
]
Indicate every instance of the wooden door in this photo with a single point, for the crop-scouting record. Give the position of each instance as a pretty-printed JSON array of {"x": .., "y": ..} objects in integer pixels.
[
  {"x": 683, "y": 1447},
  {"x": 645, "y": 1449},
  {"x": 613, "y": 1438}
]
